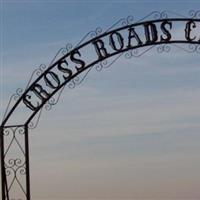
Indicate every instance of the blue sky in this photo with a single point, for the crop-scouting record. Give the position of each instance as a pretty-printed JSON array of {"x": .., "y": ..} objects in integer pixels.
[{"x": 114, "y": 136}]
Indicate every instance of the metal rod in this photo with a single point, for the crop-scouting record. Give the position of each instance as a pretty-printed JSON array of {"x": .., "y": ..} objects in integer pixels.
[
  {"x": 27, "y": 163},
  {"x": 2, "y": 165}
]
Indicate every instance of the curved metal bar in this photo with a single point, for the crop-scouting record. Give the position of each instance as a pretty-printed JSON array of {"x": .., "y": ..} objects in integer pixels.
[
  {"x": 95, "y": 62},
  {"x": 75, "y": 75}
]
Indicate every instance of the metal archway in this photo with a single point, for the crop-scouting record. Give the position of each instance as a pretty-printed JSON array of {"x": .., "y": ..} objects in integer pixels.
[{"x": 122, "y": 38}]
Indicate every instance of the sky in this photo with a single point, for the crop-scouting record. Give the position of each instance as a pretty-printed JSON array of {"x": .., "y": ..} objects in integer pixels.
[{"x": 128, "y": 132}]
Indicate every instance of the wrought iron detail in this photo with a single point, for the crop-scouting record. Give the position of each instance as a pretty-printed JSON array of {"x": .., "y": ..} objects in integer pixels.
[
  {"x": 14, "y": 139},
  {"x": 13, "y": 99},
  {"x": 122, "y": 22},
  {"x": 15, "y": 168},
  {"x": 190, "y": 48},
  {"x": 195, "y": 14}
]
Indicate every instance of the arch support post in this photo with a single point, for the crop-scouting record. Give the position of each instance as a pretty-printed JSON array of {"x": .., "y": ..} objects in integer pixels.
[{"x": 15, "y": 172}]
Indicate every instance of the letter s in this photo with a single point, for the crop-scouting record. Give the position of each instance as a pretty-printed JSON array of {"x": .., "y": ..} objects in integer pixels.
[{"x": 77, "y": 61}]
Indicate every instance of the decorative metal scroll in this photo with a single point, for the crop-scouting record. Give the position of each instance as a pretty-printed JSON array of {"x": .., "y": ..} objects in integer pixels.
[
  {"x": 15, "y": 176},
  {"x": 98, "y": 49}
]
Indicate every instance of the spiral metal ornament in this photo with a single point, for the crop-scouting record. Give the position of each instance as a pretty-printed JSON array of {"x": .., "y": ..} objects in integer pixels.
[
  {"x": 155, "y": 15},
  {"x": 128, "y": 54},
  {"x": 33, "y": 124},
  {"x": 15, "y": 164},
  {"x": 74, "y": 82},
  {"x": 191, "y": 48},
  {"x": 163, "y": 48},
  {"x": 13, "y": 99},
  {"x": 194, "y": 48},
  {"x": 90, "y": 35},
  {"x": 122, "y": 22},
  {"x": 101, "y": 65},
  {"x": 66, "y": 49},
  {"x": 47, "y": 106},
  {"x": 194, "y": 14},
  {"x": 95, "y": 33},
  {"x": 36, "y": 73}
]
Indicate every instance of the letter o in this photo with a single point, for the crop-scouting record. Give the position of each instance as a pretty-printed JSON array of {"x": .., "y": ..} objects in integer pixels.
[
  {"x": 52, "y": 82},
  {"x": 120, "y": 41}
]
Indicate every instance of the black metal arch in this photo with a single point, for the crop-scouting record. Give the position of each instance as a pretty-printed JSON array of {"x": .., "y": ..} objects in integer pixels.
[
  {"x": 102, "y": 36},
  {"x": 19, "y": 167}
]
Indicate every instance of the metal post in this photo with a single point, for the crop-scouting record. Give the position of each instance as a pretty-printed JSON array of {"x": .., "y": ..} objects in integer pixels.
[
  {"x": 2, "y": 165},
  {"x": 27, "y": 162},
  {"x": 17, "y": 167}
]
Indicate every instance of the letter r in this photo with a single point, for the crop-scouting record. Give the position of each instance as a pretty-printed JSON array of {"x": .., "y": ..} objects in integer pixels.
[{"x": 100, "y": 49}]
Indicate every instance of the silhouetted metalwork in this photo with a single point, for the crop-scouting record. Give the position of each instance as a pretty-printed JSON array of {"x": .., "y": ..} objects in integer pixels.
[
  {"x": 15, "y": 168},
  {"x": 47, "y": 82}
]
